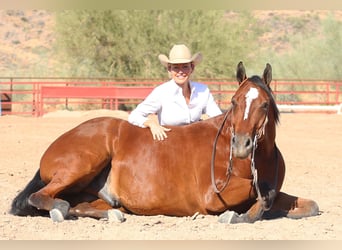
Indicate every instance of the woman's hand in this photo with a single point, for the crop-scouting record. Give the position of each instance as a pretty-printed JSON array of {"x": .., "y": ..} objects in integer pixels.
[{"x": 158, "y": 132}]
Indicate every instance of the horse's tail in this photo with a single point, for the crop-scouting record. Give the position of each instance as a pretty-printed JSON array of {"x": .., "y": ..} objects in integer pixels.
[{"x": 20, "y": 205}]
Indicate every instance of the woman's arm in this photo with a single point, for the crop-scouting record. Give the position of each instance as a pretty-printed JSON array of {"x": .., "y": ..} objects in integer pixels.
[
  {"x": 143, "y": 115},
  {"x": 158, "y": 131},
  {"x": 212, "y": 109}
]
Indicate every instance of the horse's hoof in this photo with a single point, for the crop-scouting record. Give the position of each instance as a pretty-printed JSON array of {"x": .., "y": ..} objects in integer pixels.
[
  {"x": 115, "y": 215},
  {"x": 59, "y": 211},
  {"x": 231, "y": 217},
  {"x": 226, "y": 217},
  {"x": 56, "y": 215}
]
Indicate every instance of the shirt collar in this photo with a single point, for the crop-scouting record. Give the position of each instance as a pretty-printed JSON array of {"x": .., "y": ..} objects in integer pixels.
[{"x": 177, "y": 88}]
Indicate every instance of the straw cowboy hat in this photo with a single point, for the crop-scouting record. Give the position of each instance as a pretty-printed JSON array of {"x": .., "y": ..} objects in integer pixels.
[{"x": 180, "y": 54}]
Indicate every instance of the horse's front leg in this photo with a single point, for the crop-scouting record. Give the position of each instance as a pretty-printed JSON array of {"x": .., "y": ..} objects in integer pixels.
[
  {"x": 253, "y": 214},
  {"x": 263, "y": 203},
  {"x": 98, "y": 209},
  {"x": 293, "y": 207}
]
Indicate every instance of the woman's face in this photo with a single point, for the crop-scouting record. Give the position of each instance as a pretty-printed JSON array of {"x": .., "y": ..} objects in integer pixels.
[{"x": 181, "y": 72}]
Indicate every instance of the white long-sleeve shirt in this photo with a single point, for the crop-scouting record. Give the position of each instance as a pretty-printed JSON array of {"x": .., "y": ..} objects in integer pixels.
[{"x": 168, "y": 102}]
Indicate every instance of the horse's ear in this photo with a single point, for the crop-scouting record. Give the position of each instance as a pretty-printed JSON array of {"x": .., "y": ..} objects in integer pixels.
[
  {"x": 267, "y": 76},
  {"x": 240, "y": 73}
]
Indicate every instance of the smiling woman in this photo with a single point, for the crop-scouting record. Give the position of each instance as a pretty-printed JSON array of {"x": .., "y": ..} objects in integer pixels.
[{"x": 176, "y": 102}]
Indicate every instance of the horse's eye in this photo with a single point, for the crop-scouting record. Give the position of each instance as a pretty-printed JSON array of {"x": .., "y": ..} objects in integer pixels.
[
  {"x": 233, "y": 102},
  {"x": 265, "y": 105}
]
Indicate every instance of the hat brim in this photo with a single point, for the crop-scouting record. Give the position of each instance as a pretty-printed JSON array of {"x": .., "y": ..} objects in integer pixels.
[{"x": 195, "y": 59}]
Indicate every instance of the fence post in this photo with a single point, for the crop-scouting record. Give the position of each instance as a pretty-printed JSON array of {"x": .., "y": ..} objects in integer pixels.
[
  {"x": 328, "y": 92},
  {"x": 337, "y": 89}
]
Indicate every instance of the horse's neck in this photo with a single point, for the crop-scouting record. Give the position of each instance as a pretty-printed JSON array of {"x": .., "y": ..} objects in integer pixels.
[
  {"x": 224, "y": 121},
  {"x": 267, "y": 142}
]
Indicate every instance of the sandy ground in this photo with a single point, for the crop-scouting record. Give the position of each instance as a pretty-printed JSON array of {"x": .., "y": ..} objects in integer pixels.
[{"x": 310, "y": 143}]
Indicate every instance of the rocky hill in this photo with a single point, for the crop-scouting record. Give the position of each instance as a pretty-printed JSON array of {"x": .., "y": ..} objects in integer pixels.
[{"x": 27, "y": 36}]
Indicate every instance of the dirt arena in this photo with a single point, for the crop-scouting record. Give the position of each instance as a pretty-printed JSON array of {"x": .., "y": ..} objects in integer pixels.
[{"x": 311, "y": 145}]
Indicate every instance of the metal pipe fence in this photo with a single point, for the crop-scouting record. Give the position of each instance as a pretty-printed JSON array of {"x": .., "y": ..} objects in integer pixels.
[{"x": 24, "y": 96}]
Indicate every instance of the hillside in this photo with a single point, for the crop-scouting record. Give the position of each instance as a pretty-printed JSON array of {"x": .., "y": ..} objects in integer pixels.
[{"x": 27, "y": 37}]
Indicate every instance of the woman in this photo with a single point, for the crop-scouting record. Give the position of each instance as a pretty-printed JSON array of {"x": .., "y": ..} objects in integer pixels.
[{"x": 178, "y": 101}]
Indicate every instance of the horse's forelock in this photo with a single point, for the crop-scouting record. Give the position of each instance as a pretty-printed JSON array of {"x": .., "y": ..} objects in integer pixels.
[{"x": 259, "y": 82}]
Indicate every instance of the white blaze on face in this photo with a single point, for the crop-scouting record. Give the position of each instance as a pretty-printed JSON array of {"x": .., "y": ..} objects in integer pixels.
[{"x": 250, "y": 96}]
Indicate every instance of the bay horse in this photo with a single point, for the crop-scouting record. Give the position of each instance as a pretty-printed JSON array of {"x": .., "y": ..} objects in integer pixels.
[{"x": 228, "y": 165}]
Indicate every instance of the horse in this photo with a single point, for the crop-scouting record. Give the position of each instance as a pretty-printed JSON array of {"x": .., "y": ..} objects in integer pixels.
[{"x": 228, "y": 166}]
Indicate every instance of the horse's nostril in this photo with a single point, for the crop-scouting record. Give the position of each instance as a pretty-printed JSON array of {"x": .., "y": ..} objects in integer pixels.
[
  {"x": 233, "y": 139},
  {"x": 248, "y": 143}
]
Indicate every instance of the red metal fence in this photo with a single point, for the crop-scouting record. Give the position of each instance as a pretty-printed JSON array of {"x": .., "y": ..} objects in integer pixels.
[{"x": 34, "y": 97}]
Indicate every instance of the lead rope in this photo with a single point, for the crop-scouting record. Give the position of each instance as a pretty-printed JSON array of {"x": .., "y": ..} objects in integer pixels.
[
  {"x": 253, "y": 169},
  {"x": 212, "y": 164},
  {"x": 230, "y": 166}
]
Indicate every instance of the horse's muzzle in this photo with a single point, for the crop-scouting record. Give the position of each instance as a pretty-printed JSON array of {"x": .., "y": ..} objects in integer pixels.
[{"x": 242, "y": 145}]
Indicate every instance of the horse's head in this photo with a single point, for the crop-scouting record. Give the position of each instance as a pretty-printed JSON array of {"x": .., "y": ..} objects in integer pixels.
[{"x": 253, "y": 111}]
